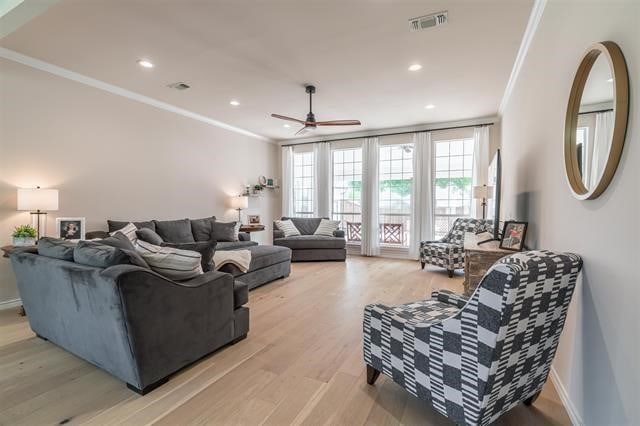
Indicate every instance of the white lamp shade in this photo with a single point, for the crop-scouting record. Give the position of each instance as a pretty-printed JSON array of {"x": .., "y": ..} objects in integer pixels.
[
  {"x": 33, "y": 199},
  {"x": 482, "y": 191},
  {"x": 239, "y": 202}
]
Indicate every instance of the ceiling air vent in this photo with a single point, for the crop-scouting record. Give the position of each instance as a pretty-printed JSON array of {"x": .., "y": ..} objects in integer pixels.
[
  {"x": 178, "y": 86},
  {"x": 428, "y": 21}
]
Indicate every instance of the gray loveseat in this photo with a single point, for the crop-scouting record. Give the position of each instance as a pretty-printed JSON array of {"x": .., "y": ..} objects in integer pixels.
[
  {"x": 310, "y": 247},
  {"x": 128, "y": 320}
]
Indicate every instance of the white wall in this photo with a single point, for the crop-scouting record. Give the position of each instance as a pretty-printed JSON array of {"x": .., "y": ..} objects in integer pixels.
[
  {"x": 598, "y": 358},
  {"x": 111, "y": 157}
]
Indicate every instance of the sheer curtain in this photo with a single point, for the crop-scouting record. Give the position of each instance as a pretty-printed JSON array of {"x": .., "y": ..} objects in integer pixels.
[
  {"x": 322, "y": 156},
  {"x": 287, "y": 181},
  {"x": 480, "y": 164},
  {"x": 422, "y": 196},
  {"x": 601, "y": 141},
  {"x": 370, "y": 244}
]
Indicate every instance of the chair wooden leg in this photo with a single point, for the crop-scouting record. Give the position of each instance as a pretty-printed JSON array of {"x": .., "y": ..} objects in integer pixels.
[
  {"x": 450, "y": 273},
  {"x": 423, "y": 264},
  {"x": 529, "y": 401},
  {"x": 372, "y": 375}
]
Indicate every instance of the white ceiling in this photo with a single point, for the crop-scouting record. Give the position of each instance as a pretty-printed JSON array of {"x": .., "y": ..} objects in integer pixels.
[{"x": 262, "y": 52}]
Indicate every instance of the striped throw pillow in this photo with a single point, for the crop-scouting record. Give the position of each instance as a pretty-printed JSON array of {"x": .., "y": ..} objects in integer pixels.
[
  {"x": 173, "y": 263},
  {"x": 287, "y": 227},
  {"x": 327, "y": 227},
  {"x": 129, "y": 231}
]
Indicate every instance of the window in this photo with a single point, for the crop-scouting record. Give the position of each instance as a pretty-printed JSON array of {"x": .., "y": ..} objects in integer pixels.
[
  {"x": 452, "y": 182},
  {"x": 347, "y": 191},
  {"x": 582, "y": 136},
  {"x": 303, "y": 184},
  {"x": 395, "y": 186}
]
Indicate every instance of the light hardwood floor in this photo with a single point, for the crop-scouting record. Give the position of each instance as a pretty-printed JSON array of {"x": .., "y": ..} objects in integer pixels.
[{"x": 301, "y": 364}]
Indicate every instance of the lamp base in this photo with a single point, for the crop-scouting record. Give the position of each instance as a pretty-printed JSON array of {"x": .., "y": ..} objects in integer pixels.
[{"x": 38, "y": 218}]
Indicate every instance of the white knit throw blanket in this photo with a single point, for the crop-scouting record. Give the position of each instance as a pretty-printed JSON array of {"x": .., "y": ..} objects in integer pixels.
[{"x": 241, "y": 259}]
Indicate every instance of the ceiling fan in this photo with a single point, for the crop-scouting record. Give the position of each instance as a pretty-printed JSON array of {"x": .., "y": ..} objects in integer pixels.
[{"x": 310, "y": 124}]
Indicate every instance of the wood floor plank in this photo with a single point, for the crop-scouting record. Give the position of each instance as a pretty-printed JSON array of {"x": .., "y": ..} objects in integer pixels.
[{"x": 301, "y": 363}]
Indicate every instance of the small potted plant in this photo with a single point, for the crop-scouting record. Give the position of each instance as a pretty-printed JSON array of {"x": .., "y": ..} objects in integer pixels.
[{"x": 24, "y": 235}]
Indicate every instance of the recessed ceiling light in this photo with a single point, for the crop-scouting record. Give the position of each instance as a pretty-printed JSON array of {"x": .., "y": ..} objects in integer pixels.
[
  {"x": 430, "y": 106},
  {"x": 415, "y": 67},
  {"x": 234, "y": 103},
  {"x": 286, "y": 125},
  {"x": 145, "y": 63},
  {"x": 610, "y": 80}
]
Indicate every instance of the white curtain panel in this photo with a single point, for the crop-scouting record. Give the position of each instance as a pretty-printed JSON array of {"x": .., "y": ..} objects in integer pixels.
[
  {"x": 422, "y": 196},
  {"x": 287, "y": 181},
  {"x": 370, "y": 244},
  {"x": 601, "y": 142},
  {"x": 322, "y": 155},
  {"x": 480, "y": 164}
]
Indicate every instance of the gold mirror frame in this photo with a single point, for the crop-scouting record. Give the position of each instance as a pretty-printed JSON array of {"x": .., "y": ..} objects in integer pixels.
[{"x": 618, "y": 66}]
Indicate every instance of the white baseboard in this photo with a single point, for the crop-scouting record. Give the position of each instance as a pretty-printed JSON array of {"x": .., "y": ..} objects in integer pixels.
[
  {"x": 11, "y": 303},
  {"x": 564, "y": 397}
]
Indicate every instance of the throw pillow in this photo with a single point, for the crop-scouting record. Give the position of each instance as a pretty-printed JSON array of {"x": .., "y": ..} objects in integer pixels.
[
  {"x": 175, "y": 231},
  {"x": 119, "y": 240},
  {"x": 98, "y": 255},
  {"x": 205, "y": 248},
  {"x": 129, "y": 231},
  {"x": 202, "y": 229},
  {"x": 287, "y": 227},
  {"x": 56, "y": 248},
  {"x": 116, "y": 225},
  {"x": 226, "y": 231},
  {"x": 173, "y": 263},
  {"x": 150, "y": 236},
  {"x": 327, "y": 227}
]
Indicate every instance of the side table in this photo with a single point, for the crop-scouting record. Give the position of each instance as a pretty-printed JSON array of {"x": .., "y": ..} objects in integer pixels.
[
  {"x": 478, "y": 259},
  {"x": 252, "y": 228},
  {"x": 6, "y": 251}
]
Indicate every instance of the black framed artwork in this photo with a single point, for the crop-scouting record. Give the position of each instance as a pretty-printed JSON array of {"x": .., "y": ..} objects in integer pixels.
[{"x": 513, "y": 235}]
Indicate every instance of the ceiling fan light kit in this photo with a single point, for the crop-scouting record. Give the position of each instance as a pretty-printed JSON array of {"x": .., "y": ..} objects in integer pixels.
[{"x": 310, "y": 124}]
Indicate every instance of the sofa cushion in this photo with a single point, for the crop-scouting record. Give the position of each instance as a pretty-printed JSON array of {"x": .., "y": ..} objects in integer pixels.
[
  {"x": 311, "y": 242},
  {"x": 261, "y": 257},
  {"x": 205, "y": 248},
  {"x": 149, "y": 235},
  {"x": 240, "y": 294},
  {"x": 56, "y": 248},
  {"x": 98, "y": 255},
  {"x": 119, "y": 240},
  {"x": 235, "y": 245},
  {"x": 173, "y": 263},
  {"x": 116, "y": 225},
  {"x": 202, "y": 229},
  {"x": 226, "y": 231},
  {"x": 287, "y": 227},
  {"x": 175, "y": 231},
  {"x": 306, "y": 225}
]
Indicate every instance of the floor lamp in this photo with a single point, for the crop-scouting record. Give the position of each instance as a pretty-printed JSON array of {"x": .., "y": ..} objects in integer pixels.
[{"x": 38, "y": 201}]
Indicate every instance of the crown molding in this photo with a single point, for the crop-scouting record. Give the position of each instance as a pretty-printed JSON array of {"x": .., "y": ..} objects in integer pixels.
[
  {"x": 529, "y": 32},
  {"x": 119, "y": 91}
]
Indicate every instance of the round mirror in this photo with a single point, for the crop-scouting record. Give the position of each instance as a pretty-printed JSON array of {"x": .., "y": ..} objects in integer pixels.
[{"x": 596, "y": 120}]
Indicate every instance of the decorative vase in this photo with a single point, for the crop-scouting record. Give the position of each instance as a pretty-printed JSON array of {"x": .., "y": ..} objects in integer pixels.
[{"x": 24, "y": 241}]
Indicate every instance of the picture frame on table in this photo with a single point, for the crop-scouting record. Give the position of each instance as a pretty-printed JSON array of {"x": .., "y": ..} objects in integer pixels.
[
  {"x": 513, "y": 235},
  {"x": 254, "y": 219},
  {"x": 70, "y": 228}
]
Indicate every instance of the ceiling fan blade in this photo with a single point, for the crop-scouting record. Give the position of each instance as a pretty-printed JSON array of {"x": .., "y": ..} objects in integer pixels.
[
  {"x": 339, "y": 123},
  {"x": 302, "y": 131},
  {"x": 284, "y": 117}
]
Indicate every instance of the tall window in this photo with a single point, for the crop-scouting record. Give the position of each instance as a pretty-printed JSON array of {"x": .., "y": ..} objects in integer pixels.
[
  {"x": 303, "y": 184},
  {"x": 347, "y": 191},
  {"x": 395, "y": 186},
  {"x": 452, "y": 182}
]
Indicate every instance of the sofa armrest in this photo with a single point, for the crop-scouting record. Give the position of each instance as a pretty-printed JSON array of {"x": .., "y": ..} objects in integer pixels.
[
  {"x": 277, "y": 233},
  {"x": 244, "y": 236},
  {"x": 339, "y": 233},
  {"x": 447, "y": 296}
]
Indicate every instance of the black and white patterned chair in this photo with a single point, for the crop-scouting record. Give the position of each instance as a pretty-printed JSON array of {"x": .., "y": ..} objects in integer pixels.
[
  {"x": 475, "y": 358},
  {"x": 448, "y": 252}
]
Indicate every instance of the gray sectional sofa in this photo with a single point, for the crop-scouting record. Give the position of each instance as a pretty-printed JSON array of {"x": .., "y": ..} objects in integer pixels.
[{"x": 310, "y": 247}]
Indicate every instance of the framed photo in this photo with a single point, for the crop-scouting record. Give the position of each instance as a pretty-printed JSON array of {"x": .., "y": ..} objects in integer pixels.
[
  {"x": 70, "y": 228},
  {"x": 254, "y": 219},
  {"x": 513, "y": 235}
]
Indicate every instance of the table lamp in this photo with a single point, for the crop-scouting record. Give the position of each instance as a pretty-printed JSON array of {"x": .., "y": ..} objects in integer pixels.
[
  {"x": 38, "y": 201},
  {"x": 239, "y": 203},
  {"x": 483, "y": 192}
]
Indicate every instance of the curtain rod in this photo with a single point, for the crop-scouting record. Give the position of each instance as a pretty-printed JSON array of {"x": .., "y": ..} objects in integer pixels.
[
  {"x": 595, "y": 111},
  {"x": 393, "y": 134}
]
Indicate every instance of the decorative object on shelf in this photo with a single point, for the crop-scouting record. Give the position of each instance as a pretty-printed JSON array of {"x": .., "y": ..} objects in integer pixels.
[
  {"x": 483, "y": 192},
  {"x": 262, "y": 181},
  {"x": 38, "y": 201},
  {"x": 24, "y": 235},
  {"x": 239, "y": 203},
  {"x": 270, "y": 182},
  {"x": 70, "y": 228},
  {"x": 513, "y": 235},
  {"x": 254, "y": 219},
  {"x": 596, "y": 120}
]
